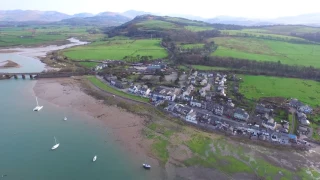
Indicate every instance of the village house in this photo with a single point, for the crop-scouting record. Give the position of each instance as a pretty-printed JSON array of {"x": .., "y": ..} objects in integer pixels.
[
  {"x": 203, "y": 91},
  {"x": 101, "y": 66},
  {"x": 133, "y": 89},
  {"x": 144, "y": 91},
  {"x": 193, "y": 81},
  {"x": 186, "y": 94},
  {"x": 117, "y": 84},
  {"x": 305, "y": 109},
  {"x": 302, "y": 117},
  {"x": 269, "y": 124},
  {"x": 210, "y": 96},
  {"x": 241, "y": 114},
  {"x": 204, "y": 82},
  {"x": 195, "y": 103},
  {"x": 261, "y": 109},
  {"x": 218, "y": 110},
  {"x": 163, "y": 93},
  {"x": 295, "y": 103},
  {"x": 109, "y": 78},
  {"x": 192, "y": 117},
  {"x": 230, "y": 103}
]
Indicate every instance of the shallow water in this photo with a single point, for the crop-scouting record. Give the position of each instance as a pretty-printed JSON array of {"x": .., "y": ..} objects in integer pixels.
[{"x": 26, "y": 138}]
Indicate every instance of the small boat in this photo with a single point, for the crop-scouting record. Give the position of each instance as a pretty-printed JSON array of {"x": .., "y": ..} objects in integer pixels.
[
  {"x": 65, "y": 118},
  {"x": 37, "y": 108},
  {"x": 94, "y": 158},
  {"x": 146, "y": 166},
  {"x": 56, "y": 144}
]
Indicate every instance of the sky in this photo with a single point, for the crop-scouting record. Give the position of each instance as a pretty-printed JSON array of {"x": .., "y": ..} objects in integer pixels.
[{"x": 258, "y": 9}]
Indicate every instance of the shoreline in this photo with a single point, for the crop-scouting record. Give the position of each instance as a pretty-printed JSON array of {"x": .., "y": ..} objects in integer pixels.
[
  {"x": 41, "y": 51},
  {"x": 126, "y": 127}
]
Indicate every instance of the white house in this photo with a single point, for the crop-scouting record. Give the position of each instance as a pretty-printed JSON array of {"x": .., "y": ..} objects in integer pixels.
[
  {"x": 241, "y": 114},
  {"x": 195, "y": 103},
  {"x": 204, "y": 82},
  {"x": 192, "y": 117},
  {"x": 269, "y": 125},
  {"x": 133, "y": 89},
  {"x": 305, "y": 109},
  {"x": 144, "y": 92}
]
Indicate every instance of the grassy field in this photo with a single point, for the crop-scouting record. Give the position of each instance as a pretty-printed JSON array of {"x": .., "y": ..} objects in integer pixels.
[
  {"x": 256, "y": 87},
  {"x": 260, "y": 33},
  {"x": 88, "y": 64},
  {"x": 156, "y": 24},
  {"x": 114, "y": 91},
  {"x": 198, "y": 28},
  {"x": 43, "y": 34},
  {"x": 192, "y": 46},
  {"x": 117, "y": 50},
  {"x": 208, "y": 68},
  {"x": 268, "y": 50}
]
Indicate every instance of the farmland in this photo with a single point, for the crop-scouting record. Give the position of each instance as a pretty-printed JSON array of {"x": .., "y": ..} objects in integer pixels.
[
  {"x": 117, "y": 50},
  {"x": 36, "y": 35},
  {"x": 156, "y": 24},
  {"x": 198, "y": 28},
  {"x": 268, "y": 50},
  {"x": 255, "y": 87},
  {"x": 191, "y": 46}
]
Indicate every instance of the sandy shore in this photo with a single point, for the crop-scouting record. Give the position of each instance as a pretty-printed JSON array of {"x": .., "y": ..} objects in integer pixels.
[
  {"x": 126, "y": 127},
  {"x": 66, "y": 93},
  {"x": 38, "y": 52}
]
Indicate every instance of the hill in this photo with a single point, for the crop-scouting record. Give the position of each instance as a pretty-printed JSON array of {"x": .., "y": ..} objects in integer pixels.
[
  {"x": 102, "y": 19},
  {"x": 30, "y": 15},
  {"x": 157, "y": 26}
]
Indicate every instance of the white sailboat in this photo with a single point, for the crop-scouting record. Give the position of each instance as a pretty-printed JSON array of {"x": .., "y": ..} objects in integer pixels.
[
  {"x": 37, "y": 108},
  {"x": 65, "y": 118},
  {"x": 56, "y": 144},
  {"x": 94, "y": 158}
]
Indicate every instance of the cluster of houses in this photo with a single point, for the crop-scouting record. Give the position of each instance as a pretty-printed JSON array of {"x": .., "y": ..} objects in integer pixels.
[{"x": 302, "y": 112}]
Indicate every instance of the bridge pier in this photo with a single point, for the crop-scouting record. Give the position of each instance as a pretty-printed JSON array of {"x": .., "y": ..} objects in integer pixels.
[
  {"x": 7, "y": 76},
  {"x": 23, "y": 76},
  {"x": 15, "y": 76},
  {"x": 31, "y": 77}
]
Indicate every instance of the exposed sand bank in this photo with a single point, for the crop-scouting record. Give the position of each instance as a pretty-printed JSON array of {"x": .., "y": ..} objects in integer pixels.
[
  {"x": 37, "y": 52},
  {"x": 125, "y": 127},
  {"x": 8, "y": 64}
]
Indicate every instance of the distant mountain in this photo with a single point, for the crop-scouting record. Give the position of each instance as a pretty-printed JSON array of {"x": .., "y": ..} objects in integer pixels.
[
  {"x": 237, "y": 21},
  {"x": 102, "y": 19},
  {"x": 306, "y": 19},
  {"x": 83, "y": 15},
  {"x": 133, "y": 13},
  {"x": 31, "y": 15}
]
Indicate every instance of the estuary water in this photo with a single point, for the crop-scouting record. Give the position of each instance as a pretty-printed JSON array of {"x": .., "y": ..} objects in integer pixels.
[{"x": 26, "y": 137}]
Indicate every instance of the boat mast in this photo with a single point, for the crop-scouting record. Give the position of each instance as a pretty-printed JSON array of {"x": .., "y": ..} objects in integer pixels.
[
  {"x": 55, "y": 140},
  {"x": 37, "y": 101}
]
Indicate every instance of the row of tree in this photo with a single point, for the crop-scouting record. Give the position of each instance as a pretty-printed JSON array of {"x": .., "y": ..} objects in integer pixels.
[{"x": 251, "y": 66}]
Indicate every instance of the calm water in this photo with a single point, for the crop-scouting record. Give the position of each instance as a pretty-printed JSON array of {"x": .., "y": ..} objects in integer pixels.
[{"x": 26, "y": 138}]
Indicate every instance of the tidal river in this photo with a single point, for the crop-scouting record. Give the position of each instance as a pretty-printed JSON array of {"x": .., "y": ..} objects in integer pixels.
[{"x": 26, "y": 137}]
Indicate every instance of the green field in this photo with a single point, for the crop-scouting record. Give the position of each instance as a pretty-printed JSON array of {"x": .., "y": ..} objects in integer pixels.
[
  {"x": 255, "y": 87},
  {"x": 117, "y": 50},
  {"x": 192, "y": 46},
  {"x": 198, "y": 28},
  {"x": 268, "y": 50},
  {"x": 208, "y": 68},
  {"x": 114, "y": 91},
  {"x": 34, "y": 35},
  {"x": 88, "y": 64},
  {"x": 156, "y": 24},
  {"x": 260, "y": 33}
]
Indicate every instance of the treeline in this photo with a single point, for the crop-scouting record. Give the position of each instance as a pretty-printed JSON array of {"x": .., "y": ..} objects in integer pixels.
[
  {"x": 251, "y": 66},
  {"x": 268, "y": 37},
  {"x": 309, "y": 36}
]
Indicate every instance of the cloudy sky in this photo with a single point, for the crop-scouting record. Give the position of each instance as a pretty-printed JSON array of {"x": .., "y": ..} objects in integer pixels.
[{"x": 203, "y": 8}]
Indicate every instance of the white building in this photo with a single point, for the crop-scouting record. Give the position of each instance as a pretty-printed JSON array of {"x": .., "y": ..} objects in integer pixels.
[
  {"x": 195, "y": 103},
  {"x": 192, "y": 117},
  {"x": 133, "y": 89}
]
